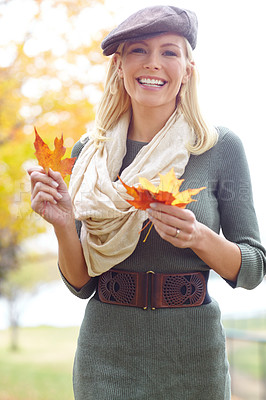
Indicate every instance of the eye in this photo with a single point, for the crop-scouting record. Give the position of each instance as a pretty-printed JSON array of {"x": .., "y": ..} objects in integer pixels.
[
  {"x": 138, "y": 50},
  {"x": 170, "y": 53}
]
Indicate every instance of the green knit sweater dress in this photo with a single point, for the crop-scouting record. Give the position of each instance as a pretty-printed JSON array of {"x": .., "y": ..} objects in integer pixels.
[{"x": 127, "y": 353}]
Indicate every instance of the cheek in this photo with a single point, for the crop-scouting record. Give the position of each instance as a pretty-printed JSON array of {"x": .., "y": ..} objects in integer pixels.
[
  {"x": 129, "y": 81},
  {"x": 177, "y": 83},
  {"x": 178, "y": 76},
  {"x": 127, "y": 85}
]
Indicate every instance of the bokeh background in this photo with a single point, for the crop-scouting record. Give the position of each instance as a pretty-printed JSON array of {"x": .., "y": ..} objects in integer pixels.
[{"x": 51, "y": 76}]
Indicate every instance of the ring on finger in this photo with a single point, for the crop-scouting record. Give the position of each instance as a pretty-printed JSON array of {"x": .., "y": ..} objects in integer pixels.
[{"x": 177, "y": 233}]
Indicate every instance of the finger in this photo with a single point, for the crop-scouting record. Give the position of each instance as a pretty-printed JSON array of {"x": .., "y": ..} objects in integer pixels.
[
  {"x": 165, "y": 218},
  {"x": 57, "y": 177},
  {"x": 39, "y": 203},
  {"x": 176, "y": 211},
  {"x": 35, "y": 168},
  {"x": 165, "y": 229},
  {"x": 44, "y": 188},
  {"x": 169, "y": 234},
  {"x": 62, "y": 186},
  {"x": 171, "y": 222},
  {"x": 172, "y": 213},
  {"x": 38, "y": 176},
  {"x": 32, "y": 173}
]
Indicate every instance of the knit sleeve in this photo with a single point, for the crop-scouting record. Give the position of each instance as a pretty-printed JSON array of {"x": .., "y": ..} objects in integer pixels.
[
  {"x": 77, "y": 148},
  {"x": 237, "y": 214},
  {"x": 87, "y": 290}
]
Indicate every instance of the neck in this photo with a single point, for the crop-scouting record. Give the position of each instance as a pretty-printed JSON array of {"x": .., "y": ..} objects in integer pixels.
[{"x": 147, "y": 122}]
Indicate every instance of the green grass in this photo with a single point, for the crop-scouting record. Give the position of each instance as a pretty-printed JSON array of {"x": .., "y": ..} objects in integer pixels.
[
  {"x": 42, "y": 367},
  {"x": 248, "y": 357},
  {"x": 251, "y": 324},
  {"x": 245, "y": 357}
]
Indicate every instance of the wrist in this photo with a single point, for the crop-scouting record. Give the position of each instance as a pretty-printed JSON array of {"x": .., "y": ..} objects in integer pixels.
[
  {"x": 68, "y": 226},
  {"x": 201, "y": 238}
]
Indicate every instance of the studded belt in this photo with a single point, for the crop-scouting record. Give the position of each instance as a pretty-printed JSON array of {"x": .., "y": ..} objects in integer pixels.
[{"x": 155, "y": 290}]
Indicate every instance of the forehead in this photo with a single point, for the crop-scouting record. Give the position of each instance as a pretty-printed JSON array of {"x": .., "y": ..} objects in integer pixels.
[{"x": 161, "y": 39}]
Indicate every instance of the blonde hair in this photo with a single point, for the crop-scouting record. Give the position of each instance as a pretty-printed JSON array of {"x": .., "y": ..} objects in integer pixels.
[{"x": 115, "y": 102}]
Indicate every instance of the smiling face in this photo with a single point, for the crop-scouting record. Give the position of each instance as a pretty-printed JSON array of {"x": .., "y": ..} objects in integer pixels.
[{"x": 154, "y": 70}]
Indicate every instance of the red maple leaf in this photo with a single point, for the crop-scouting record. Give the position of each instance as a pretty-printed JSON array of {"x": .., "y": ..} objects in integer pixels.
[{"x": 167, "y": 192}]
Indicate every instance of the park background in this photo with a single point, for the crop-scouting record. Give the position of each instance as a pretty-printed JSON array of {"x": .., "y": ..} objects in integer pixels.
[{"x": 51, "y": 77}]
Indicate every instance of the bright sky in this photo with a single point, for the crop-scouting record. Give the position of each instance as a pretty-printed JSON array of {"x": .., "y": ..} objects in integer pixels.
[
  {"x": 232, "y": 63},
  {"x": 230, "y": 57}
]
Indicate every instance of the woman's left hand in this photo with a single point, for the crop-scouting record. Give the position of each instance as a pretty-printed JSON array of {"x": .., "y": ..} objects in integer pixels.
[
  {"x": 175, "y": 225},
  {"x": 181, "y": 228}
]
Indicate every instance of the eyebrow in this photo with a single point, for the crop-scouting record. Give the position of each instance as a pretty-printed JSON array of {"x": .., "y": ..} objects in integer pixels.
[
  {"x": 171, "y": 44},
  {"x": 130, "y": 43}
]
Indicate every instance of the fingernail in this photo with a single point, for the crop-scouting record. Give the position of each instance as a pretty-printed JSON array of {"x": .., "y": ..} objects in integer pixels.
[
  {"x": 55, "y": 184},
  {"x": 153, "y": 205},
  {"x": 59, "y": 196}
]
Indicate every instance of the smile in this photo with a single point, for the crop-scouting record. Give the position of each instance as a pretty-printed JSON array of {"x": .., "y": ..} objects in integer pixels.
[{"x": 151, "y": 82}]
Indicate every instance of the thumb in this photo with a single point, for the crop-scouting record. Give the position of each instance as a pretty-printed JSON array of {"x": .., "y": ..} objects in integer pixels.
[{"x": 56, "y": 176}]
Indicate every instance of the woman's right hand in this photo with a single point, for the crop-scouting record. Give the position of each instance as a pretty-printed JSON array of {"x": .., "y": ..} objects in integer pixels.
[{"x": 50, "y": 197}]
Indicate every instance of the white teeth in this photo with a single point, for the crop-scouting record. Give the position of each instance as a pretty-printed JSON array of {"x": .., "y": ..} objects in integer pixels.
[{"x": 151, "y": 82}]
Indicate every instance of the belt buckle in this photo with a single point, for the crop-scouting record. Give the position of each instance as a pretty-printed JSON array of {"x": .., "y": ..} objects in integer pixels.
[{"x": 152, "y": 273}]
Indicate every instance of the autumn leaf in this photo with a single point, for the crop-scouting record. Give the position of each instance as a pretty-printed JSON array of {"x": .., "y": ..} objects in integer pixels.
[
  {"x": 167, "y": 192},
  {"x": 53, "y": 159}
]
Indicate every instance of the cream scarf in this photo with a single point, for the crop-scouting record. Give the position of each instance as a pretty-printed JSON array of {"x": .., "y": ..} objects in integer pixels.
[{"x": 110, "y": 225}]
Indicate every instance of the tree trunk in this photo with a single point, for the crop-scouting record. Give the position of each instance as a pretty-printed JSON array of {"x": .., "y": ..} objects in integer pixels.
[{"x": 14, "y": 324}]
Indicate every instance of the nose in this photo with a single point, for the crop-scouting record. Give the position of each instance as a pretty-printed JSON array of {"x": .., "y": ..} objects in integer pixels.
[{"x": 152, "y": 62}]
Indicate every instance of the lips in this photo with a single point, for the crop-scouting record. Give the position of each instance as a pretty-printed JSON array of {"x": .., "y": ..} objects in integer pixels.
[{"x": 151, "y": 82}]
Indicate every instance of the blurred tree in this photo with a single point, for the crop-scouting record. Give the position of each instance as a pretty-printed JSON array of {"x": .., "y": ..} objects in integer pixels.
[
  {"x": 21, "y": 284},
  {"x": 51, "y": 73}
]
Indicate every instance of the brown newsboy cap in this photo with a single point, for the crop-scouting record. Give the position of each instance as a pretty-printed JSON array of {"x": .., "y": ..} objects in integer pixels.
[{"x": 150, "y": 22}]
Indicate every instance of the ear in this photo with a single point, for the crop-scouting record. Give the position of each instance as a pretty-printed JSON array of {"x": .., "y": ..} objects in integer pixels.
[
  {"x": 189, "y": 70},
  {"x": 118, "y": 63}
]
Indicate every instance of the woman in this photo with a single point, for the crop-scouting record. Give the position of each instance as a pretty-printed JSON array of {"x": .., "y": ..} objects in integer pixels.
[{"x": 147, "y": 123}]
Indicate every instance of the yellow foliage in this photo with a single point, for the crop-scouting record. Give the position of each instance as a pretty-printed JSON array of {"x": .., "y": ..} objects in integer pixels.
[{"x": 55, "y": 93}]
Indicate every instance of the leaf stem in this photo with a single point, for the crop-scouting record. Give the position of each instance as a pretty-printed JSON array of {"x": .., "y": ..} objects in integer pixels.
[
  {"x": 148, "y": 232},
  {"x": 148, "y": 223}
]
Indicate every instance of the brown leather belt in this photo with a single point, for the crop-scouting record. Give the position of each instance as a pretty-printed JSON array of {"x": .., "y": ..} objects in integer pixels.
[{"x": 157, "y": 290}]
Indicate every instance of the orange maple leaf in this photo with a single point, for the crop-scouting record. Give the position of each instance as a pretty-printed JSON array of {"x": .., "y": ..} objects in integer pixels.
[
  {"x": 167, "y": 192},
  {"x": 53, "y": 159}
]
